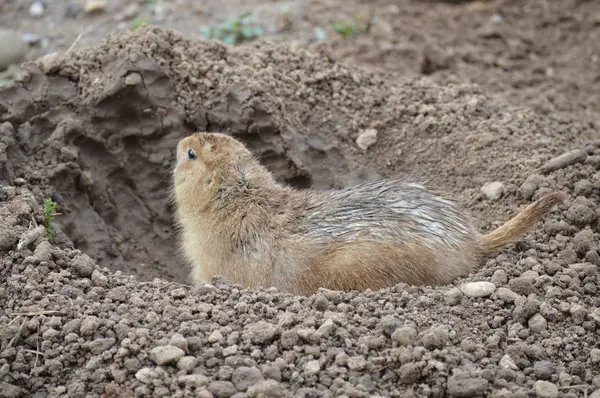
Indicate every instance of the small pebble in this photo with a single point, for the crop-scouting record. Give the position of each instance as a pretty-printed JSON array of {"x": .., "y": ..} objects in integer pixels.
[
  {"x": 545, "y": 389},
  {"x": 435, "y": 337},
  {"x": 453, "y": 296},
  {"x": 500, "y": 277},
  {"x": 36, "y": 9},
  {"x": 99, "y": 279},
  {"x": 178, "y": 340},
  {"x": 42, "y": 251},
  {"x": 405, "y": 335},
  {"x": 166, "y": 354},
  {"x": 537, "y": 323},
  {"x": 216, "y": 337},
  {"x": 146, "y": 375},
  {"x": 507, "y": 362},
  {"x": 478, "y": 289},
  {"x": 93, "y": 6},
  {"x": 31, "y": 38},
  {"x": 463, "y": 386},
  {"x": 366, "y": 139},
  {"x": 194, "y": 381},
  {"x": 187, "y": 363},
  {"x": 133, "y": 79},
  {"x": 493, "y": 190},
  {"x": 506, "y": 295},
  {"x": 325, "y": 330}
]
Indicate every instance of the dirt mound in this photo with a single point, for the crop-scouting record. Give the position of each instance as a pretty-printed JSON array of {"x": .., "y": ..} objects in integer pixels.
[{"x": 96, "y": 131}]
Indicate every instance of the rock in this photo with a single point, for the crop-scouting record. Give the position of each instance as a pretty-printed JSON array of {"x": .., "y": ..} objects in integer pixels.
[
  {"x": 578, "y": 313},
  {"x": 580, "y": 215},
  {"x": 453, "y": 296},
  {"x": 98, "y": 346},
  {"x": 500, "y": 277},
  {"x": 89, "y": 326},
  {"x": 83, "y": 265},
  {"x": 410, "y": 373},
  {"x": 595, "y": 355},
  {"x": 99, "y": 279},
  {"x": 133, "y": 79},
  {"x": 194, "y": 381},
  {"x": 357, "y": 363},
  {"x": 31, "y": 38},
  {"x": 530, "y": 186},
  {"x": 216, "y": 337},
  {"x": 222, "y": 389},
  {"x": 543, "y": 370},
  {"x": 537, "y": 323},
  {"x": 462, "y": 386},
  {"x": 244, "y": 377},
  {"x": 405, "y": 335},
  {"x": 8, "y": 238},
  {"x": 564, "y": 160},
  {"x": 522, "y": 285},
  {"x": 11, "y": 391},
  {"x": 289, "y": 338},
  {"x": 36, "y": 9},
  {"x": 163, "y": 355},
  {"x": 595, "y": 315},
  {"x": 178, "y": 340},
  {"x": 262, "y": 332},
  {"x": 525, "y": 309},
  {"x": 389, "y": 324},
  {"x": 366, "y": 139},
  {"x": 312, "y": 367},
  {"x": 478, "y": 289},
  {"x": 506, "y": 295},
  {"x": 595, "y": 394},
  {"x": 325, "y": 329},
  {"x": 42, "y": 251},
  {"x": 493, "y": 190},
  {"x": 506, "y": 362},
  {"x": 266, "y": 389},
  {"x": 545, "y": 389},
  {"x": 187, "y": 363},
  {"x": 146, "y": 375},
  {"x": 435, "y": 337},
  {"x": 94, "y": 6}
]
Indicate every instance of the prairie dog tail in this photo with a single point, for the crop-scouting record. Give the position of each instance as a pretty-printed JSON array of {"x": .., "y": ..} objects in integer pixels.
[{"x": 512, "y": 230}]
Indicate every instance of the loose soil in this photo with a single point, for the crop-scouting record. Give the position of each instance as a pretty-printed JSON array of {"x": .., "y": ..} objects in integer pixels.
[{"x": 106, "y": 309}]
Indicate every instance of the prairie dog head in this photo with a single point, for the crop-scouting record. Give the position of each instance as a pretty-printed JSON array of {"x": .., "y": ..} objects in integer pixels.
[{"x": 214, "y": 166}]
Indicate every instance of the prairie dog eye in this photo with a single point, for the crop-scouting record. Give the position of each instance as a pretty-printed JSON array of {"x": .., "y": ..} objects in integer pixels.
[{"x": 191, "y": 154}]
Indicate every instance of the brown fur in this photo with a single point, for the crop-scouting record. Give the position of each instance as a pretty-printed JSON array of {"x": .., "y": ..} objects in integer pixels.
[{"x": 236, "y": 221}]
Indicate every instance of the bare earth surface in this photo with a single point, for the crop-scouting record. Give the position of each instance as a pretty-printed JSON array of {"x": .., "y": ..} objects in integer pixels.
[{"x": 460, "y": 94}]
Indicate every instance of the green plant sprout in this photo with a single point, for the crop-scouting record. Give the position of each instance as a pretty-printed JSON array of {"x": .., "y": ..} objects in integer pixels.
[
  {"x": 235, "y": 31},
  {"x": 136, "y": 23},
  {"x": 348, "y": 28},
  {"x": 49, "y": 207}
]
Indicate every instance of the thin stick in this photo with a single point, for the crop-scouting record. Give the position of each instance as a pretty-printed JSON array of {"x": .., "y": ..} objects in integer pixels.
[
  {"x": 37, "y": 348},
  {"x": 37, "y": 354},
  {"x": 10, "y": 323},
  {"x": 10, "y": 343},
  {"x": 34, "y": 313}
]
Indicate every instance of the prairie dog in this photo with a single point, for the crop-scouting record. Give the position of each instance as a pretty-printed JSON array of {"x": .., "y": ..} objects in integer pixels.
[{"x": 236, "y": 221}]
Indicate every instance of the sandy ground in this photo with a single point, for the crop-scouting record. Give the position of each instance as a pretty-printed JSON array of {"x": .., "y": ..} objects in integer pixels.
[{"x": 460, "y": 94}]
